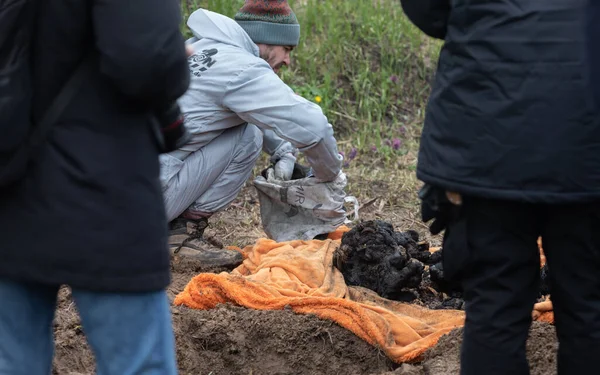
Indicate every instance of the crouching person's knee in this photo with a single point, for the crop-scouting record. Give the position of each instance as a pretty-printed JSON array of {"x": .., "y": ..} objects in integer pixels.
[{"x": 224, "y": 190}]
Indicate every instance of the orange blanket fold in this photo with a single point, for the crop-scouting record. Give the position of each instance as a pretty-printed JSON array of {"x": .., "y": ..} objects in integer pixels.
[{"x": 301, "y": 275}]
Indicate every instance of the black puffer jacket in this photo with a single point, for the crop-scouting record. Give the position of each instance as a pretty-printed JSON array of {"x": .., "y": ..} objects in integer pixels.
[
  {"x": 511, "y": 114},
  {"x": 90, "y": 212},
  {"x": 593, "y": 45}
]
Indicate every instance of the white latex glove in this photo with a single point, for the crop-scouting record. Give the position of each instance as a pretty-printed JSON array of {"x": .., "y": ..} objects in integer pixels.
[{"x": 285, "y": 167}]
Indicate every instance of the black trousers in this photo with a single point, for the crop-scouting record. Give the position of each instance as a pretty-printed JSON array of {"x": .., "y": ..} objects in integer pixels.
[{"x": 492, "y": 250}]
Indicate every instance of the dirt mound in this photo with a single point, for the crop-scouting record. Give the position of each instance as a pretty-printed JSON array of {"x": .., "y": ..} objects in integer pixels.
[
  {"x": 72, "y": 354},
  {"x": 542, "y": 348},
  {"x": 234, "y": 340},
  {"x": 183, "y": 269},
  {"x": 444, "y": 359},
  {"x": 406, "y": 369},
  {"x": 541, "y": 352}
]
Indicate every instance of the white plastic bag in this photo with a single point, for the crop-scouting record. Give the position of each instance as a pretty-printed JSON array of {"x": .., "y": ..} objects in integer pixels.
[{"x": 303, "y": 208}]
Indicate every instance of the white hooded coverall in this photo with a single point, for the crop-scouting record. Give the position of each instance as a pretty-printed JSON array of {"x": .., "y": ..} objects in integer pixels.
[{"x": 235, "y": 106}]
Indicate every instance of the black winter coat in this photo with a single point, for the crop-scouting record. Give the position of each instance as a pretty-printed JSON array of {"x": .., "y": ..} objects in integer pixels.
[
  {"x": 511, "y": 113},
  {"x": 593, "y": 45},
  {"x": 90, "y": 212}
]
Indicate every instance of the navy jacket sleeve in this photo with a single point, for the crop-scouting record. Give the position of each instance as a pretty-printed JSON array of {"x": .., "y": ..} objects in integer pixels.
[
  {"x": 431, "y": 16},
  {"x": 142, "y": 49},
  {"x": 593, "y": 47}
]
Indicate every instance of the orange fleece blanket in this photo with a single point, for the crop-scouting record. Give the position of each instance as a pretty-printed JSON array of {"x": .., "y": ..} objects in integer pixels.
[{"x": 301, "y": 275}]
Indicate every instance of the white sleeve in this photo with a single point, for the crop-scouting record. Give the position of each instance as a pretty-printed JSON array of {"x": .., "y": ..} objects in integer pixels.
[
  {"x": 258, "y": 96},
  {"x": 275, "y": 146}
]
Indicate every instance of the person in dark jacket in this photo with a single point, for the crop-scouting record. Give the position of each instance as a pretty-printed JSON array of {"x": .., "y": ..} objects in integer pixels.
[
  {"x": 593, "y": 42},
  {"x": 510, "y": 151},
  {"x": 89, "y": 213}
]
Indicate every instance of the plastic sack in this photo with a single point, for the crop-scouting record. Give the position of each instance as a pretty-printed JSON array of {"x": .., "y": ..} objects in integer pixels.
[{"x": 303, "y": 207}]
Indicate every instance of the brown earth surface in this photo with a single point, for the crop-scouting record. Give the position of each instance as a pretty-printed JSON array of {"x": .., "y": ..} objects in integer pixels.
[
  {"x": 235, "y": 340},
  {"x": 541, "y": 352}
]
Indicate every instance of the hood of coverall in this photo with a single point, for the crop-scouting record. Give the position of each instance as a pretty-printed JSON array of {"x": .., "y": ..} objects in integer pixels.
[{"x": 210, "y": 25}]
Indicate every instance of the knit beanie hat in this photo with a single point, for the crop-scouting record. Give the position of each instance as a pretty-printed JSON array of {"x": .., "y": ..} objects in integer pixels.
[{"x": 269, "y": 22}]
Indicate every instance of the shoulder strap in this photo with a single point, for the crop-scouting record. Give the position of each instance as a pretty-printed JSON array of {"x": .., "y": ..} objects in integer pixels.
[{"x": 61, "y": 101}]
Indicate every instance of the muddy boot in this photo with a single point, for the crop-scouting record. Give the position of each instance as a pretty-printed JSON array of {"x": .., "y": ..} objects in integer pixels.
[
  {"x": 178, "y": 232},
  {"x": 186, "y": 240},
  {"x": 182, "y": 229}
]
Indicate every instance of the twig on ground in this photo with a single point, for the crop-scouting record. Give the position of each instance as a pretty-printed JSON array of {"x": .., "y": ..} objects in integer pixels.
[{"x": 368, "y": 204}]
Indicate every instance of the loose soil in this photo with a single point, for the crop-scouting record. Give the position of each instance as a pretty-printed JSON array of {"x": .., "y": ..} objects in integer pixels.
[
  {"x": 444, "y": 359},
  {"x": 235, "y": 340}
]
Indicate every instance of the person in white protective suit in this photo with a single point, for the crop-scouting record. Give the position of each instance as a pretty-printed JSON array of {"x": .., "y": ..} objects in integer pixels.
[{"x": 235, "y": 107}]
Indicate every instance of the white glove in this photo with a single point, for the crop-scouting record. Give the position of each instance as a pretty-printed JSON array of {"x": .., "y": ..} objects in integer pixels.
[
  {"x": 284, "y": 168},
  {"x": 341, "y": 181}
]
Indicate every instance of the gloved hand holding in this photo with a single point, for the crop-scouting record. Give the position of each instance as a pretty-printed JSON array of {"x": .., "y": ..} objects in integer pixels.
[
  {"x": 439, "y": 205},
  {"x": 284, "y": 168},
  {"x": 173, "y": 129},
  {"x": 325, "y": 161}
]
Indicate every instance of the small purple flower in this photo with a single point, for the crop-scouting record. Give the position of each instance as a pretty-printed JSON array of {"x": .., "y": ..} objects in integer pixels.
[
  {"x": 394, "y": 78},
  {"x": 396, "y": 144},
  {"x": 374, "y": 148},
  {"x": 352, "y": 154},
  {"x": 342, "y": 153},
  {"x": 403, "y": 130},
  {"x": 387, "y": 142},
  {"x": 346, "y": 164}
]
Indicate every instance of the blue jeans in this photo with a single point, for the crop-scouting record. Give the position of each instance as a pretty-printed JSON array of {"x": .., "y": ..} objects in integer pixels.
[{"x": 128, "y": 333}]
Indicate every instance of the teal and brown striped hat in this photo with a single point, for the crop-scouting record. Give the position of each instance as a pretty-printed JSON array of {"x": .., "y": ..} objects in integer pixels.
[{"x": 269, "y": 22}]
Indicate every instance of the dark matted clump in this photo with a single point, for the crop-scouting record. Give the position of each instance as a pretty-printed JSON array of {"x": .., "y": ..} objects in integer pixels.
[
  {"x": 373, "y": 256},
  {"x": 395, "y": 265},
  {"x": 399, "y": 267}
]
